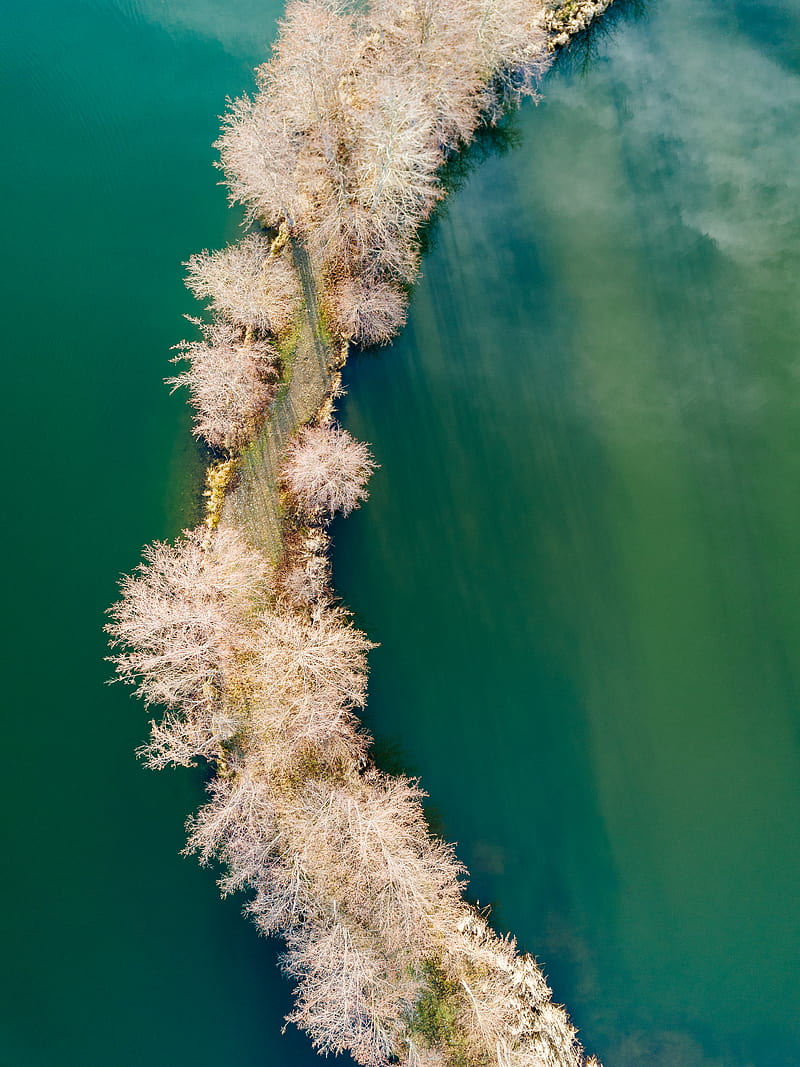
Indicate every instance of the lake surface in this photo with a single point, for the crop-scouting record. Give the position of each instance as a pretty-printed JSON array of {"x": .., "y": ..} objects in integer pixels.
[
  {"x": 118, "y": 951},
  {"x": 579, "y": 553}
]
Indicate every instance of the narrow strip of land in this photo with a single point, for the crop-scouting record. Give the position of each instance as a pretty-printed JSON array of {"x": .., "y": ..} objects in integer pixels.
[{"x": 234, "y": 629}]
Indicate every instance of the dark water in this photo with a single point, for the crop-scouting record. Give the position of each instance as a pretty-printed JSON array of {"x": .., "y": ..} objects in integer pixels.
[{"x": 579, "y": 553}]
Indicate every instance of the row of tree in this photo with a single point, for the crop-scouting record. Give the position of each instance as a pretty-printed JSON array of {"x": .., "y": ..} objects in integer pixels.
[
  {"x": 390, "y": 962},
  {"x": 255, "y": 667}
]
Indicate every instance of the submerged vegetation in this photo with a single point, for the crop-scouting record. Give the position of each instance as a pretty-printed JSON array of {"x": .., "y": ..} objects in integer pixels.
[{"x": 337, "y": 160}]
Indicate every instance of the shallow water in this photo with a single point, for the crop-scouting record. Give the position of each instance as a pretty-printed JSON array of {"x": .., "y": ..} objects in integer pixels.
[{"x": 578, "y": 554}]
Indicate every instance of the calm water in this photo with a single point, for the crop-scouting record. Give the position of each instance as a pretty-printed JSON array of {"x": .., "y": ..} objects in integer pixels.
[
  {"x": 579, "y": 554},
  {"x": 117, "y": 950}
]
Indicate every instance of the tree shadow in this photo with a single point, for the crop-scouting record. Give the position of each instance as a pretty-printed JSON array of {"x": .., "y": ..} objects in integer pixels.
[{"x": 584, "y": 49}]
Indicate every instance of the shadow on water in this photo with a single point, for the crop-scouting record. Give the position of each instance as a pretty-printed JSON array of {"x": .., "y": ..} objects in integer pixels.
[
  {"x": 587, "y": 47},
  {"x": 576, "y": 554}
]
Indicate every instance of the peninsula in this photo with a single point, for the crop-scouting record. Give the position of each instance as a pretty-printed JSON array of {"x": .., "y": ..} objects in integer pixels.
[{"x": 233, "y": 631}]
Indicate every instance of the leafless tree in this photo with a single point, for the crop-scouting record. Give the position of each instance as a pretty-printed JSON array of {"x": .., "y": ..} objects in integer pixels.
[
  {"x": 513, "y": 46},
  {"x": 181, "y": 615},
  {"x": 327, "y": 470},
  {"x": 393, "y": 162},
  {"x": 311, "y": 730},
  {"x": 306, "y": 583},
  {"x": 246, "y": 285},
  {"x": 306, "y": 574},
  {"x": 178, "y": 740},
  {"x": 231, "y": 381},
  {"x": 367, "y": 312},
  {"x": 367, "y": 845},
  {"x": 346, "y": 238},
  {"x": 281, "y": 149},
  {"x": 260, "y": 160},
  {"x": 322, "y": 654},
  {"x": 507, "y": 1009},
  {"x": 307, "y": 673},
  {"x": 437, "y": 41},
  {"x": 238, "y": 827},
  {"x": 366, "y": 223},
  {"x": 350, "y": 998},
  {"x": 314, "y": 51},
  {"x": 180, "y": 624}
]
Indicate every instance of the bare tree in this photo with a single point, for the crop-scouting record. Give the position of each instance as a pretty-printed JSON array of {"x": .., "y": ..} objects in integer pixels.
[
  {"x": 308, "y": 673},
  {"x": 506, "y": 1008},
  {"x": 366, "y": 845},
  {"x": 231, "y": 381},
  {"x": 246, "y": 285},
  {"x": 367, "y": 312},
  {"x": 327, "y": 470},
  {"x": 180, "y": 625},
  {"x": 366, "y": 223},
  {"x": 345, "y": 238},
  {"x": 312, "y": 730},
  {"x": 474, "y": 57},
  {"x": 306, "y": 583},
  {"x": 315, "y": 49},
  {"x": 178, "y": 740},
  {"x": 394, "y": 160},
  {"x": 280, "y": 150},
  {"x": 238, "y": 827},
  {"x": 311, "y": 655},
  {"x": 306, "y": 577},
  {"x": 436, "y": 41},
  {"x": 350, "y": 998},
  {"x": 260, "y": 157},
  {"x": 513, "y": 46}
]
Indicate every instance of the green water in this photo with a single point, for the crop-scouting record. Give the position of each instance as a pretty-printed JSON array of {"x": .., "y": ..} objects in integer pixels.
[
  {"x": 578, "y": 554},
  {"x": 580, "y": 551},
  {"x": 117, "y": 951}
]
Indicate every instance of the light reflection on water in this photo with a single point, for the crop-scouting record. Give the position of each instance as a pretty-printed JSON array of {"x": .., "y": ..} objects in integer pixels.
[{"x": 589, "y": 436}]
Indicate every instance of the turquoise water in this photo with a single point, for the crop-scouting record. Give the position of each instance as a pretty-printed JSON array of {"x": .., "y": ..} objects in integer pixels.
[
  {"x": 579, "y": 553},
  {"x": 117, "y": 950}
]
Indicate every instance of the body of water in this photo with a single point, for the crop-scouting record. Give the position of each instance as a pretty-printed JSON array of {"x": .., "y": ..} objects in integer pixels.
[
  {"x": 579, "y": 552},
  {"x": 118, "y": 951}
]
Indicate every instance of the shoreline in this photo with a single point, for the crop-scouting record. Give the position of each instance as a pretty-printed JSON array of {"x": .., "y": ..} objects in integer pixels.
[
  {"x": 252, "y": 495},
  {"x": 392, "y": 963}
]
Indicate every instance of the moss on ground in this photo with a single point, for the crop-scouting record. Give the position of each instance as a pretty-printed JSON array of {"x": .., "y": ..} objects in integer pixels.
[{"x": 435, "y": 1018}]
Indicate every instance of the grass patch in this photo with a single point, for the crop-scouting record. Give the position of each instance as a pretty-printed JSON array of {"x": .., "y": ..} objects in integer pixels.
[{"x": 436, "y": 1014}]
